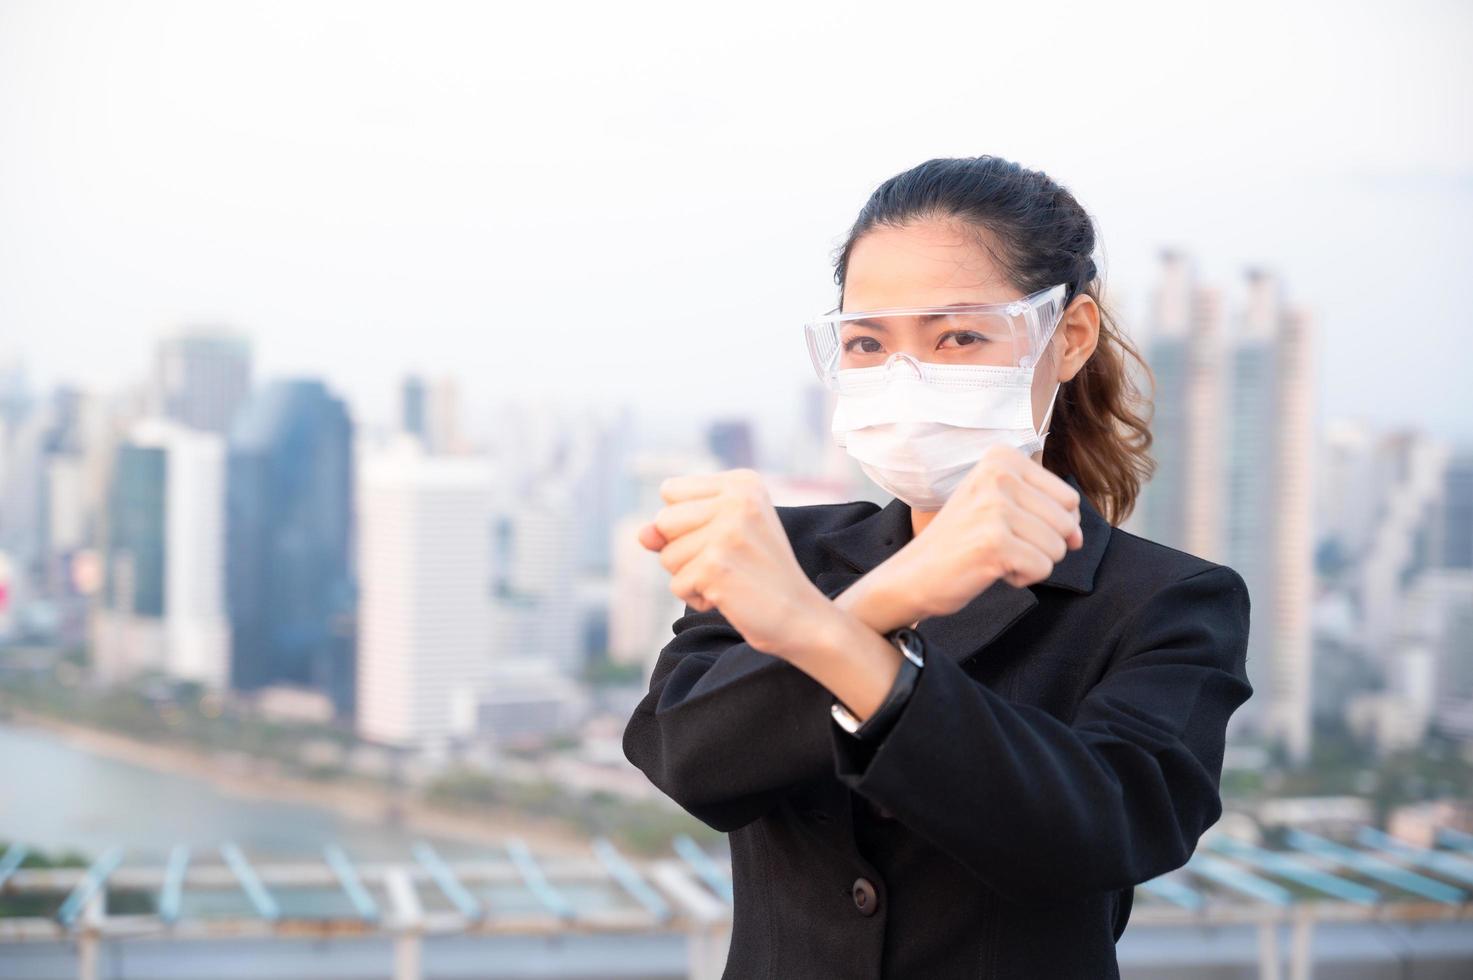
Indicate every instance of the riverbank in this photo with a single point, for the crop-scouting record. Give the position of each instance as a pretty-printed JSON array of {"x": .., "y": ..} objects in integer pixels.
[{"x": 251, "y": 778}]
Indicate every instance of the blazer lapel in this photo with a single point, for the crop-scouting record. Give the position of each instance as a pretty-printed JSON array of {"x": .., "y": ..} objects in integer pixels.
[{"x": 869, "y": 541}]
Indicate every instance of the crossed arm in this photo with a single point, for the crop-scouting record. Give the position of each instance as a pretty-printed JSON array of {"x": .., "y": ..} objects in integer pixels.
[{"x": 1034, "y": 806}]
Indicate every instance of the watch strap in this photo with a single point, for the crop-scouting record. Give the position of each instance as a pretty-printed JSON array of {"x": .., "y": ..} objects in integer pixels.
[{"x": 912, "y": 649}]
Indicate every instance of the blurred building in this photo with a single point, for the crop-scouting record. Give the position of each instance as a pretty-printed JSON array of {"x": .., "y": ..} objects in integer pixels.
[
  {"x": 430, "y": 410},
  {"x": 201, "y": 378},
  {"x": 526, "y": 700},
  {"x": 425, "y": 573},
  {"x": 732, "y": 443},
  {"x": 1183, "y": 503},
  {"x": 1273, "y": 547},
  {"x": 535, "y": 599},
  {"x": 289, "y": 494},
  {"x": 1234, "y": 448},
  {"x": 162, "y": 603}
]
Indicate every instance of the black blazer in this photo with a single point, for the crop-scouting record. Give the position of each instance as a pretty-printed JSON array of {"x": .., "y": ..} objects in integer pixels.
[{"x": 1064, "y": 743}]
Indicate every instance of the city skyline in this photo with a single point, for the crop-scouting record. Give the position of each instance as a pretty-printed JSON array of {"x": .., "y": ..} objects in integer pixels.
[{"x": 355, "y": 215}]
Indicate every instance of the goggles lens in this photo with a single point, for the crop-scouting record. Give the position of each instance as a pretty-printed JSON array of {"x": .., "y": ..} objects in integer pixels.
[{"x": 994, "y": 335}]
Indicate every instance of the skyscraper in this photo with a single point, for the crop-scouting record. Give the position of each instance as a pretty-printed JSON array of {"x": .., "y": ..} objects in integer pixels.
[
  {"x": 424, "y": 564},
  {"x": 1268, "y": 529},
  {"x": 1233, "y": 444},
  {"x": 289, "y": 499},
  {"x": 201, "y": 377},
  {"x": 1182, "y": 504},
  {"x": 162, "y": 606}
]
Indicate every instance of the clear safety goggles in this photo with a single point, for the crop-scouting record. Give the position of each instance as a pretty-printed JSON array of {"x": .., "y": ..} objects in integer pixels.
[{"x": 847, "y": 348}]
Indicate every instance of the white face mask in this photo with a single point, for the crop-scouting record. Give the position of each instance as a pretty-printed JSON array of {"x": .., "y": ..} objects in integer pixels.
[{"x": 918, "y": 432}]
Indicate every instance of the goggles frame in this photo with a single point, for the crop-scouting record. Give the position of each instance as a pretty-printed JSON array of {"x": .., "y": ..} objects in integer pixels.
[{"x": 1027, "y": 307}]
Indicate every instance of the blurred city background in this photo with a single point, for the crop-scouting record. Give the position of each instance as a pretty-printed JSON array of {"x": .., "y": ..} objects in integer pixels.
[{"x": 343, "y": 348}]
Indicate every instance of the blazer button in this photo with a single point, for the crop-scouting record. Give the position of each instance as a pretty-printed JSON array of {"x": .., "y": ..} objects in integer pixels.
[{"x": 864, "y": 896}]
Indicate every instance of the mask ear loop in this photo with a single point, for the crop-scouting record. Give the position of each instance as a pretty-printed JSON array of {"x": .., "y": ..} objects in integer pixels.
[{"x": 1035, "y": 444}]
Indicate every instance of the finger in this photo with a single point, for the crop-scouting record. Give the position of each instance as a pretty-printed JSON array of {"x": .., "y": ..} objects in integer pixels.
[
  {"x": 682, "y": 549},
  {"x": 1025, "y": 563},
  {"x": 1064, "y": 522},
  {"x": 685, "y": 516},
  {"x": 649, "y": 535},
  {"x": 1058, "y": 489},
  {"x": 677, "y": 488},
  {"x": 687, "y": 582},
  {"x": 1039, "y": 533}
]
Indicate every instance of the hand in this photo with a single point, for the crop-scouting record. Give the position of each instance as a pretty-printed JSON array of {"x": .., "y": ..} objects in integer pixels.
[
  {"x": 1010, "y": 519},
  {"x": 722, "y": 542}
]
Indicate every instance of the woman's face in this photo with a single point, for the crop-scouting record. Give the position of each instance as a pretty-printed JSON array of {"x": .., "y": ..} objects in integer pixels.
[{"x": 935, "y": 262}]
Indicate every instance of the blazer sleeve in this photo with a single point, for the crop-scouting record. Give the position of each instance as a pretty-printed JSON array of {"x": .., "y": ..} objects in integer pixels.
[
  {"x": 726, "y": 729},
  {"x": 1043, "y": 810}
]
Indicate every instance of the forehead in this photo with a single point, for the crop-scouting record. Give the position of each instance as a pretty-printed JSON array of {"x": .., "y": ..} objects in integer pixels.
[{"x": 932, "y": 262}]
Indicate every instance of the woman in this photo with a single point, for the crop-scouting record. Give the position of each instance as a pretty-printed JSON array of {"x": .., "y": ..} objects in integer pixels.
[{"x": 947, "y": 736}]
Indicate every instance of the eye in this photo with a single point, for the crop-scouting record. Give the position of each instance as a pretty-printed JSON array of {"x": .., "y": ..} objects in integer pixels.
[
  {"x": 849, "y": 345},
  {"x": 966, "y": 338}
]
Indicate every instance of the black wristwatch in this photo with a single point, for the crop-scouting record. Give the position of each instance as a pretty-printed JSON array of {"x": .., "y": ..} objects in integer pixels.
[{"x": 875, "y": 726}]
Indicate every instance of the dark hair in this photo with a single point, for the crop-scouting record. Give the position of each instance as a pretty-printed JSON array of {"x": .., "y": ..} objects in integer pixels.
[{"x": 1038, "y": 234}]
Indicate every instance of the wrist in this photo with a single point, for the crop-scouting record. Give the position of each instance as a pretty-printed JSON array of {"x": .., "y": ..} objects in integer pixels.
[{"x": 886, "y": 598}]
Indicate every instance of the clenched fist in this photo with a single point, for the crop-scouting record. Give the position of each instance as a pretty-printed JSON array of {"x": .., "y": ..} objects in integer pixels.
[
  {"x": 722, "y": 542},
  {"x": 1010, "y": 519}
]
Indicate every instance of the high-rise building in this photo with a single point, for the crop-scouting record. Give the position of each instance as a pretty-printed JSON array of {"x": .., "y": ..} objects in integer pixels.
[
  {"x": 535, "y": 608},
  {"x": 1267, "y": 513},
  {"x": 430, "y": 411},
  {"x": 1182, "y": 504},
  {"x": 162, "y": 602},
  {"x": 1455, "y": 523},
  {"x": 201, "y": 378},
  {"x": 289, "y": 500},
  {"x": 1232, "y": 430},
  {"x": 425, "y": 613},
  {"x": 732, "y": 443}
]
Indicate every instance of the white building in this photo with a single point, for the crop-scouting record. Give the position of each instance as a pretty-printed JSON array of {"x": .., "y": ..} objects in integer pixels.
[
  {"x": 165, "y": 605},
  {"x": 425, "y": 556}
]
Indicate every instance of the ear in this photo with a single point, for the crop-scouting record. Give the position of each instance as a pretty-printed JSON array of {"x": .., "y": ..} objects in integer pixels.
[{"x": 1076, "y": 336}]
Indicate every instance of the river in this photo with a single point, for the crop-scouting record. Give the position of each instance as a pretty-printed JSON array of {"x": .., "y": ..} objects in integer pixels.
[{"x": 55, "y": 796}]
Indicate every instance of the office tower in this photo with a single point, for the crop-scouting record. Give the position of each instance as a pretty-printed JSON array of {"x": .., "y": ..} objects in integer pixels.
[
  {"x": 425, "y": 610},
  {"x": 534, "y": 600},
  {"x": 15, "y": 396},
  {"x": 52, "y": 485},
  {"x": 598, "y": 464},
  {"x": 1182, "y": 504},
  {"x": 414, "y": 407},
  {"x": 1269, "y": 532},
  {"x": 731, "y": 442},
  {"x": 128, "y": 635},
  {"x": 430, "y": 411},
  {"x": 1455, "y": 519},
  {"x": 289, "y": 490},
  {"x": 162, "y": 602},
  {"x": 201, "y": 377}
]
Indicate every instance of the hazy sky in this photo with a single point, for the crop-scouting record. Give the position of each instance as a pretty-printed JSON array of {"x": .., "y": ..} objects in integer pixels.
[{"x": 634, "y": 201}]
